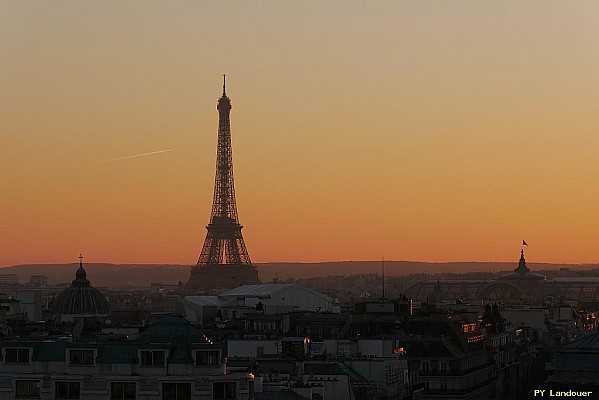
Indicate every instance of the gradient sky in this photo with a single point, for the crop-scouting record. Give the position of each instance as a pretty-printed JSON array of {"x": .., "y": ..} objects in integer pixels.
[{"x": 413, "y": 130}]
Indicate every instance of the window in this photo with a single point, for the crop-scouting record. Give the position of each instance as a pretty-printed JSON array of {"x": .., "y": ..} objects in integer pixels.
[
  {"x": 81, "y": 357},
  {"x": 176, "y": 391},
  {"x": 152, "y": 358},
  {"x": 67, "y": 390},
  {"x": 425, "y": 367},
  {"x": 223, "y": 391},
  {"x": 443, "y": 385},
  {"x": 122, "y": 391},
  {"x": 17, "y": 356},
  {"x": 207, "y": 358},
  {"x": 27, "y": 389}
]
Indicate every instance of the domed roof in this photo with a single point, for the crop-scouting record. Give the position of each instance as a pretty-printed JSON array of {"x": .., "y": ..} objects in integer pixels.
[
  {"x": 522, "y": 271},
  {"x": 80, "y": 298}
]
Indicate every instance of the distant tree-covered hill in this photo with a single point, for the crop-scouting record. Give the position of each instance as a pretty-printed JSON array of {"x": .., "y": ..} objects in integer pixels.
[{"x": 145, "y": 274}]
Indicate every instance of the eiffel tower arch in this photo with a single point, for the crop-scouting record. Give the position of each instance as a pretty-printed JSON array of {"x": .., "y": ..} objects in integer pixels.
[{"x": 224, "y": 261}]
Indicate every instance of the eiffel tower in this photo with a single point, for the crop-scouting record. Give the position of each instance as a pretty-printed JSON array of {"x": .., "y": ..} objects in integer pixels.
[{"x": 224, "y": 261}]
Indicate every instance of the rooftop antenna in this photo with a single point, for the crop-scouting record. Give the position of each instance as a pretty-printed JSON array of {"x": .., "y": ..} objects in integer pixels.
[
  {"x": 224, "y": 84},
  {"x": 80, "y": 260}
]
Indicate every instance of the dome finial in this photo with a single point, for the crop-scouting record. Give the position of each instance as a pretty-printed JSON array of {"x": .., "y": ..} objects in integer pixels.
[
  {"x": 80, "y": 275},
  {"x": 522, "y": 268}
]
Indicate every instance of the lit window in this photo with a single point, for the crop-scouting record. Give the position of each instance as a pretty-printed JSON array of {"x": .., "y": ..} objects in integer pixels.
[
  {"x": 27, "y": 389},
  {"x": 152, "y": 358},
  {"x": 122, "y": 391},
  {"x": 399, "y": 351},
  {"x": 67, "y": 390}
]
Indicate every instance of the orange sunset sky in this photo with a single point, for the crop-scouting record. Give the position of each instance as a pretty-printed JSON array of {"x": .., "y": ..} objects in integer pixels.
[{"x": 410, "y": 130}]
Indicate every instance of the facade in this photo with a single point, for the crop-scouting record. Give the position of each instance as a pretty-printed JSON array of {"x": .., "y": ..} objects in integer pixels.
[
  {"x": 452, "y": 360},
  {"x": 9, "y": 306},
  {"x": 31, "y": 303},
  {"x": 171, "y": 360},
  {"x": 38, "y": 280},
  {"x": 8, "y": 279},
  {"x": 516, "y": 363},
  {"x": 332, "y": 369}
]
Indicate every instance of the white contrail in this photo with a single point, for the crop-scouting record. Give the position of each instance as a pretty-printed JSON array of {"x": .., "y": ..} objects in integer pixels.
[{"x": 133, "y": 156}]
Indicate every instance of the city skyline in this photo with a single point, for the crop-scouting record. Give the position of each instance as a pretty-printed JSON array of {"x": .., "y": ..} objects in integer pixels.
[{"x": 428, "y": 132}]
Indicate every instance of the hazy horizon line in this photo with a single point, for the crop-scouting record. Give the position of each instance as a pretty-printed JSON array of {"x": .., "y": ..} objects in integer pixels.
[{"x": 312, "y": 262}]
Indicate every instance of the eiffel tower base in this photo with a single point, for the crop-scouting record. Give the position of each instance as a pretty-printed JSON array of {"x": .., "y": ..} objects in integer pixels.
[{"x": 216, "y": 278}]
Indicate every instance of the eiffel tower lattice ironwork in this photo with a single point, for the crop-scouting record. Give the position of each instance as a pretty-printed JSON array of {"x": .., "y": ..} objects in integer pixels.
[{"x": 224, "y": 245}]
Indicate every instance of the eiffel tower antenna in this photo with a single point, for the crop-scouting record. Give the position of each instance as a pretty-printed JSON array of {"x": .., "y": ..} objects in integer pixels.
[{"x": 224, "y": 261}]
